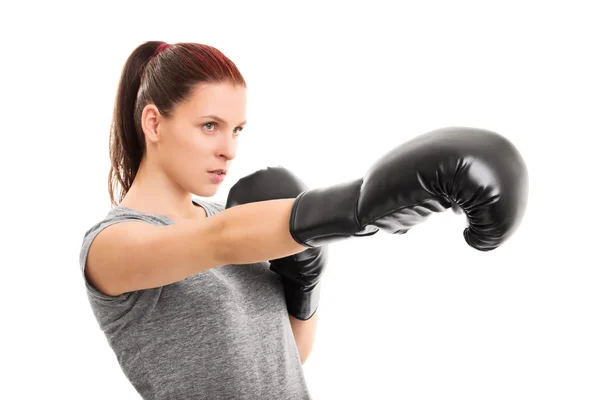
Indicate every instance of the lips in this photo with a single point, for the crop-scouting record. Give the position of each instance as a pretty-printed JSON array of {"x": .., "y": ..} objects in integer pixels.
[{"x": 218, "y": 171}]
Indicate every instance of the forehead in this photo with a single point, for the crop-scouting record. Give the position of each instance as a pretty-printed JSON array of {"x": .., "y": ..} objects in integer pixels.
[{"x": 223, "y": 99}]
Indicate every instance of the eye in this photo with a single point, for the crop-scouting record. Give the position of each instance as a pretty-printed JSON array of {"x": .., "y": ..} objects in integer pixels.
[{"x": 212, "y": 124}]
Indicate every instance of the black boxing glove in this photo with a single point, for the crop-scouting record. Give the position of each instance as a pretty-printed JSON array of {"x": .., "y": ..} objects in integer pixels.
[
  {"x": 475, "y": 170},
  {"x": 300, "y": 273}
]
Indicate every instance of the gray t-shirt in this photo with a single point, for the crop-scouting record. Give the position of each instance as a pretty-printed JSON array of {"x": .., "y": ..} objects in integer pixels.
[{"x": 223, "y": 333}]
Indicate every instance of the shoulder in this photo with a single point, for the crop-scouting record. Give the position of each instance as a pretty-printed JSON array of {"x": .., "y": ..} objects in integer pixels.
[
  {"x": 212, "y": 207},
  {"x": 123, "y": 214},
  {"x": 114, "y": 216}
]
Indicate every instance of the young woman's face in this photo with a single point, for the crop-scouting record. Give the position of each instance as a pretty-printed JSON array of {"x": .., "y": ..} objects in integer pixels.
[{"x": 201, "y": 136}]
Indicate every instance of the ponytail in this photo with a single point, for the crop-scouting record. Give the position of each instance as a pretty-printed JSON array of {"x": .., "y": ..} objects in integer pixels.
[{"x": 126, "y": 142}]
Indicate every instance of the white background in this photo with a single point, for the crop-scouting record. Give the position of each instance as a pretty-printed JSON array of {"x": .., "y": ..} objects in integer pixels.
[{"x": 332, "y": 86}]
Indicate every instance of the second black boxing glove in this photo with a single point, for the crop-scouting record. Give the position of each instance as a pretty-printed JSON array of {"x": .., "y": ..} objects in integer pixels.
[{"x": 300, "y": 273}]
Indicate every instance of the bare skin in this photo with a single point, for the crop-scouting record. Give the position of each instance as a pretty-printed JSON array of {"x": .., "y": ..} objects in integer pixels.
[{"x": 181, "y": 149}]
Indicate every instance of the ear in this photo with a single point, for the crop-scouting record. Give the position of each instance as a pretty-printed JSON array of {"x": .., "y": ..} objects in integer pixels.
[{"x": 149, "y": 122}]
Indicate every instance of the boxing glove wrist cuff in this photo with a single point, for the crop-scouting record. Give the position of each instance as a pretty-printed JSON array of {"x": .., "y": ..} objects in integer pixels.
[
  {"x": 302, "y": 302},
  {"x": 323, "y": 215}
]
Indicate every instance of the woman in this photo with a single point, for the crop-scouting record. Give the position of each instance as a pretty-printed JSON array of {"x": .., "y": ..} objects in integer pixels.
[
  {"x": 182, "y": 318},
  {"x": 181, "y": 287}
]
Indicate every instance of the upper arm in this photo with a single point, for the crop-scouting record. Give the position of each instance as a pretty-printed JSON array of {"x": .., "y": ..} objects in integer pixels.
[{"x": 130, "y": 256}]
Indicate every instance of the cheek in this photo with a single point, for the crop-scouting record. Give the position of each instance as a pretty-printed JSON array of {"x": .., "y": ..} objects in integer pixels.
[
  {"x": 185, "y": 144},
  {"x": 192, "y": 157},
  {"x": 179, "y": 153}
]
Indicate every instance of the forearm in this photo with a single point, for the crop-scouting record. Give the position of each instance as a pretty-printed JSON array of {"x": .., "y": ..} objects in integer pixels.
[
  {"x": 304, "y": 334},
  {"x": 258, "y": 231}
]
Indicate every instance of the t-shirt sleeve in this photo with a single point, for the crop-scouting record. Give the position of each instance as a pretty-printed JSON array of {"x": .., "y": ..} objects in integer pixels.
[{"x": 88, "y": 238}]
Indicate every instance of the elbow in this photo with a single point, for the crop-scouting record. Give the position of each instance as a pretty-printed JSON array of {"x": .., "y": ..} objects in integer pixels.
[
  {"x": 221, "y": 243},
  {"x": 304, "y": 354},
  {"x": 304, "y": 358}
]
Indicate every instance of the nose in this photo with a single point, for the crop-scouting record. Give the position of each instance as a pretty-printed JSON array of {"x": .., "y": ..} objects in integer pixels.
[{"x": 227, "y": 147}]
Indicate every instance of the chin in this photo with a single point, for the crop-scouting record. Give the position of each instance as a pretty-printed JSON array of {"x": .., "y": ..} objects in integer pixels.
[{"x": 206, "y": 191}]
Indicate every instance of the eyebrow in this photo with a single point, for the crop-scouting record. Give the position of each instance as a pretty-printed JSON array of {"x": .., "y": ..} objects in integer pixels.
[{"x": 221, "y": 120}]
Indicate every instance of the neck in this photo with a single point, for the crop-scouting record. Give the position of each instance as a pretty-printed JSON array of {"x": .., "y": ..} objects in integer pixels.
[{"x": 153, "y": 192}]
